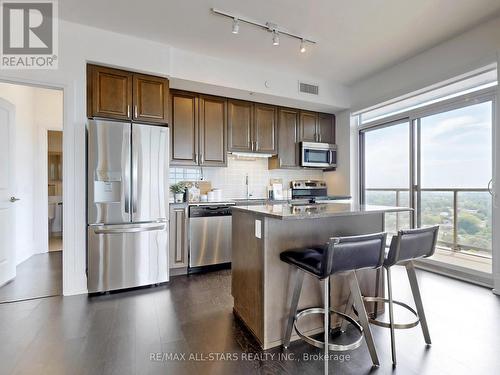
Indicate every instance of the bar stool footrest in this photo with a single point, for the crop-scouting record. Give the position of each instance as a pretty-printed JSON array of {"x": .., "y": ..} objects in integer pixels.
[
  {"x": 396, "y": 325},
  {"x": 321, "y": 344}
]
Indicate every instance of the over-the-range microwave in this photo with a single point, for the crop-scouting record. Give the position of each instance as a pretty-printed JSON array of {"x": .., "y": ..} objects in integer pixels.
[{"x": 320, "y": 155}]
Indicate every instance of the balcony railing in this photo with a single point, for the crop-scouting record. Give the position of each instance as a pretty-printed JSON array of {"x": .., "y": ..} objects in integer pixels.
[{"x": 449, "y": 221}]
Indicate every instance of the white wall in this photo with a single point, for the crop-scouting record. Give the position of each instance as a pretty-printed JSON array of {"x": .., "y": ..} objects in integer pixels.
[
  {"x": 496, "y": 188},
  {"x": 34, "y": 108},
  {"x": 48, "y": 116},
  {"x": 192, "y": 71},
  {"x": 466, "y": 52}
]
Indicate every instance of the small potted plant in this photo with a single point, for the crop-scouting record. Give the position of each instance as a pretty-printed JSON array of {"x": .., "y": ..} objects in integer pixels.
[{"x": 178, "y": 191}]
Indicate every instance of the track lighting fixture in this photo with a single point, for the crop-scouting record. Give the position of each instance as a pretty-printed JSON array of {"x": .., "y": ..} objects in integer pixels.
[
  {"x": 236, "y": 26},
  {"x": 302, "y": 46},
  {"x": 268, "y": 26},
  {"x": 276, "y": 38}
]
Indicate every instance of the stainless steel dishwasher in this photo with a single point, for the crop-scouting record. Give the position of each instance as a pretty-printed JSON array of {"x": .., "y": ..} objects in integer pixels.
[{"x": 209, "y": 236}]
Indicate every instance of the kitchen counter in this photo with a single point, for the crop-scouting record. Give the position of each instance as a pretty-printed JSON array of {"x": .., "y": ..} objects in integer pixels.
[
  {"x": 261, "y": 282},
  {"x": 318, "y": 210},
  {"x": 264, "y": 201}
]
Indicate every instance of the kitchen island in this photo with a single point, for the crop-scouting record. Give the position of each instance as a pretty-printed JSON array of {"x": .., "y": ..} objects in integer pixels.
[{"x": 261, "y": 282}]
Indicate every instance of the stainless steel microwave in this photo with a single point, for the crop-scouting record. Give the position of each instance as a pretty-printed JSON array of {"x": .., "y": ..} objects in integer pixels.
[{"x": 320, "y": 155}]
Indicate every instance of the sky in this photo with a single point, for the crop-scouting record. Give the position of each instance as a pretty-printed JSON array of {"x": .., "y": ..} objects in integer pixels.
[{"x": 456, "y": 151}]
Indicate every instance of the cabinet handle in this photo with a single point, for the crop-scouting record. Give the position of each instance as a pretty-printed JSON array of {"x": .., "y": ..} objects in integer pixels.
[
  {"x": 281, "y": 162},
  {"x": 135, "y": 111},
  {"x": 251, "y": 145},
  {"x": 128, "y": 110},
  {"x": 256, "y": 145},
  {"x": 319, "y": 137},
  {"x": 202, "y": 159}
]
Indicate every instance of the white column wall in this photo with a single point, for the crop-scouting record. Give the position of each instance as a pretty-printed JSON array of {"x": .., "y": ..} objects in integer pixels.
[{"x": 496, "y": 188}]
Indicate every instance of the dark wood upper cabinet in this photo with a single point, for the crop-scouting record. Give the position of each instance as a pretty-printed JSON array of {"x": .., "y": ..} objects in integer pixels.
[
  {"x": 109, "y": 93},
  {"x": 239, "y": 125},
  {"x": 265, "y": 128},
  {"x": 122, "y": 95},
  {"x": 326, "y": 128},
  {"x": 184, "y": 128},
  {"x": 150, "y": 98},
  {"x": 288, "y": 129},
  {"x": 213, "y": 131},
  {"x": 308, "y": 126}
]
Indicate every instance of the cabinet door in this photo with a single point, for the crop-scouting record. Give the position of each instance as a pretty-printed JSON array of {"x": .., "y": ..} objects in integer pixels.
[
  {"x": 264, "y": 129},
  {"x": 109, "y": 93},
  {"x": 288, "y": 128},
  {"x": 184, "y": 129},
  {"x": 178, "y": 237},
  {"x": 239, "y": 125},
  {"x": 326, "y": 128},
  {"x": 150, "y": 98},
  {"x": 308, "y": 126},
  {"x": 212, "y": 130}
]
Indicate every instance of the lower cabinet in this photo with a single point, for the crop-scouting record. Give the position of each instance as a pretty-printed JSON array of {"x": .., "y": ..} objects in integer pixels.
[{"x": 178, "y": 242}]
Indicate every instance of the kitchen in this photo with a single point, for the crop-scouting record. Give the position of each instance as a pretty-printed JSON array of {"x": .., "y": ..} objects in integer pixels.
[{"x": 229, "y": 179}]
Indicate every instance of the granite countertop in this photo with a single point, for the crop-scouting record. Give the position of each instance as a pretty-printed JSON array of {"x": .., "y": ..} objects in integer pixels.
[
  {"x": 312, "y": 211},
  {"x": 263, "y": 201}
]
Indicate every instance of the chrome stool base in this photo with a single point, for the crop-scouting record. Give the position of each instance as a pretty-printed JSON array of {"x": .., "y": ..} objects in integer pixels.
[
  {"x": 395, "y": 325},
  {"x": 321, "y": 344}
]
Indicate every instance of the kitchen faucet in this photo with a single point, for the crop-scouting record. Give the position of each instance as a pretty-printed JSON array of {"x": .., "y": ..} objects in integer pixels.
[{"x": 246, "y": 183}]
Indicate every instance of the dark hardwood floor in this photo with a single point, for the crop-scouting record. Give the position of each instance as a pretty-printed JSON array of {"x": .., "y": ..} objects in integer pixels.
[
  {"x": 38, "y": 276},
  {"x": 116, "y": 334}
]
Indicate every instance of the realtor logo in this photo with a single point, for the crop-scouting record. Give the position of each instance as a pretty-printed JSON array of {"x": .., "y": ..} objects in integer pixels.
[{"x": 29, "y": 34}]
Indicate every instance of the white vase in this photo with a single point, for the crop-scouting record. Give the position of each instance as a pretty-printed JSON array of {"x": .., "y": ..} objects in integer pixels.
[{"x": 179, "y": 197}]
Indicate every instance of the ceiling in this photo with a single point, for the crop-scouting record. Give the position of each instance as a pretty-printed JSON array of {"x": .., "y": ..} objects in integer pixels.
[{"x": 355, "y": 38}]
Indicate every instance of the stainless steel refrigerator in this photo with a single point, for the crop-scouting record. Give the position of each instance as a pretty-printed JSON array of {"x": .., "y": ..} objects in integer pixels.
[{"x": 127, "y": 205}]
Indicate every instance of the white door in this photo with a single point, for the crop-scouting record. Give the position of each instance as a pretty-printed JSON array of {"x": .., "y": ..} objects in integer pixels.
[{"x": 7, "y": 199}]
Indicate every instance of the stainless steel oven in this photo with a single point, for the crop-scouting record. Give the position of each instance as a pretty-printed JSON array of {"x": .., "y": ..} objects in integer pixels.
[{"x": 320, "y": 155}]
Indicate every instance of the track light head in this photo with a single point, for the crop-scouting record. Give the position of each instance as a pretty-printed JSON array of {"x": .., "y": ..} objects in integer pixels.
[
  {"x": 236, "y": 26},
  {"x": 302, "y": 46},
  {"x": 276, "y": 38}
]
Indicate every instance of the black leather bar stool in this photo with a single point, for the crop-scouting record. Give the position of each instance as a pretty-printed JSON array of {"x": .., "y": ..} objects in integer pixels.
[
  {"x": 341, "y": 255},
  {"x": 405, "y": 247}
]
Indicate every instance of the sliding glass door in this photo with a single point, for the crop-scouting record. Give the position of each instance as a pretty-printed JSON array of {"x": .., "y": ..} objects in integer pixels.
[
  {"x": 387, "y": 170},
  {"x": 439, "y": 162},
  {"x": 455, "y": 171}
]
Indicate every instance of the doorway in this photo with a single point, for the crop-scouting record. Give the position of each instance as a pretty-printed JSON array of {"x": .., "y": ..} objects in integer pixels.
[{"x": 31, "y": 182}]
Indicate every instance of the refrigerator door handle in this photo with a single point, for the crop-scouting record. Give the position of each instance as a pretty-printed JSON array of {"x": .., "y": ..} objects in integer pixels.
[
  {"x": 134, "y": 229},
  {"x": 135, "y": 160}
]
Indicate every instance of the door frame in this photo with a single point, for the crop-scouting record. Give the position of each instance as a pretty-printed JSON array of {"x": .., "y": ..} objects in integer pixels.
[
  {"x": 414, "y": 116},
  {"x": 11, "y": 108},
  {"x": 42, "y": 238}
]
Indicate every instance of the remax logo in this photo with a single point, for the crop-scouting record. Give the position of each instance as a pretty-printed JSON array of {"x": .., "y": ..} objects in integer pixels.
[{"x": 29, "y": 34}]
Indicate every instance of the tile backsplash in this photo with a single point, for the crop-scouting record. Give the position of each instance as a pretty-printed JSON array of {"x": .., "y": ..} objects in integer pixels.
[{"x": 231, "y": 179}]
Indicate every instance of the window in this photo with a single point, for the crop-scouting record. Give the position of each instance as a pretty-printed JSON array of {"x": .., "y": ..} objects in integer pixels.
[{"x": 437, "y": 160}]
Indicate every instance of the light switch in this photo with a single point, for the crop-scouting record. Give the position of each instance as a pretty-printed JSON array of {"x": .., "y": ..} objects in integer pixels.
[{"x": 258, "y": 231}]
